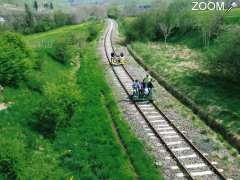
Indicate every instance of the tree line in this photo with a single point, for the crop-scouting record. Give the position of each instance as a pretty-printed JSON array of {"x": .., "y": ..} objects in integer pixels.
[
  {"x": 32, "y": 20},
  {"x": 46, "y": 5},
  {"x": 166, "y": 21}
]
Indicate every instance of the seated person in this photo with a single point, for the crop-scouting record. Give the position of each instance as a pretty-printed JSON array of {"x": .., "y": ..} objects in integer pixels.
[
  {"x": 122, "y": 60},
  {"x": 136, "y": 87},
  {"x": 112, "y": 56},
  {"x": 146, "y": 91}
]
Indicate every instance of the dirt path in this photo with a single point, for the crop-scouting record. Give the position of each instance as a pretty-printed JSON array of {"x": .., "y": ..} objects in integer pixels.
[{"x": 3, "y": 106}]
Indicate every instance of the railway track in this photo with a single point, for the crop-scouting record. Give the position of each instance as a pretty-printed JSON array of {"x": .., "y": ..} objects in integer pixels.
[{"x": 192, "y": 163}]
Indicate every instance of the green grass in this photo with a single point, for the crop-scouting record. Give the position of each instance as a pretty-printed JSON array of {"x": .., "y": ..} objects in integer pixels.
[
  {"x": 183, "y": 68},
  {"x": 35, "y": 39},
  {"x": 101, "y": 154},
  {"x": 88, "y": 148},
  {"x": 95, "y": 153},
  {"x": 232, "y": 17}
]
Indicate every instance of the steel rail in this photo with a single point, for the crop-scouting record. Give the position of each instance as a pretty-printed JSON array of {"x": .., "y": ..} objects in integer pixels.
[{"x": 182, "y": 167}]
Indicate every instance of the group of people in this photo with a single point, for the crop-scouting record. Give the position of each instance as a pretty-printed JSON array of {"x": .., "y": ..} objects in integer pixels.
[
  {"x": 143, "y": 88},
  {"x": 119, "y": 59}
]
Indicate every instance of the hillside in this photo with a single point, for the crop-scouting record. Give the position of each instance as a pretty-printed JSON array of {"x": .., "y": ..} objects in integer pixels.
[
  {"x": 21, "y": 2},
  {"x": 109, "y": 1},
  {"x": 64, "y": 2},
  {"x": 199, "y": 59},
  {"x": 73, "y": 136}
]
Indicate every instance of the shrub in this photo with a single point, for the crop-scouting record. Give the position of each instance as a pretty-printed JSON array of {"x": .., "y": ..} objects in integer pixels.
[
  {"x": 44, "y": 23},
  {"x": 92, "y": 33},
  {"x": 38, "y": 59},
  {"x": 62, "y": 19},
  {"x": 113, "y": 13},
  {"x": 59, "y": 51},
  {"x": 162, "y": 21},
  {"x": 29, "y": 22},
  {"x": 34, "y": 83},
  {"x": 13, "y": 59},
  {"x": 11, "y": 152},
  {"x": 16, "y": 21},
  {"x": 141, "y": 28},
  {"x": 224, "y": 60},
  {"x": 19, "y": 161},
  {"x": 57, "y": 109},
  {"x": 65, "y": 50}
]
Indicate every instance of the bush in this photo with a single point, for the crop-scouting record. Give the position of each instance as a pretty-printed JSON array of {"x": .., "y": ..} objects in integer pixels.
[
  {"x": 92, "y": 33},
  {"x": 38, "y": 60},
  {"x": 44, "y": 23},
  {"x": 142, "y": 28},
  {"x": 162, "y": 21},
  {"x": 13, "y": 59},
  {"x": 64, "y": 53},
  {"x": 19, "y": 161},
  {"x": 65, "y": 50},
  {"x": 224, "y": 60},
  {"x": 57, "y": 109},
  {"x": 30, "y": 22},
  {"x": 10, "y": 157},
  {"x": 59, "y": 51},
  {"x": 113, "y": 13},
  {"x": 62, "y": 19}
]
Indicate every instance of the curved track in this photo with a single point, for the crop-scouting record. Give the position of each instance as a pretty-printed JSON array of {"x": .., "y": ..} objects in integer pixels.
[{"x": 192, "y": 163}]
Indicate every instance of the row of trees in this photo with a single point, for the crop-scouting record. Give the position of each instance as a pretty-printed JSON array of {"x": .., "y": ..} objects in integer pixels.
[
  {"x": 175, "y": 19},
  {"x": 167, "y": 19},
  {"x": 28, "y": 22},
  {"x": 45, "y": 5},
  {"x": 31, "y": 21}
]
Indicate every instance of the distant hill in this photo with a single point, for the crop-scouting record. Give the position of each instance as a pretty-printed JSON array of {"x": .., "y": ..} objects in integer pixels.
[
  {"x": 21, "y": 2},
  {"x": 108, "y": 1},
  {"x": 76, "y": 2},
  {"x": 61, "y": 3}
]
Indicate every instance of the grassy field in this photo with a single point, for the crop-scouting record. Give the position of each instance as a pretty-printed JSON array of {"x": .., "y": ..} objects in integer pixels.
[
  {"x": 232, "y": 17},
  {"x": 183, "y": 68},
  {"x": 89, "y": 147}
]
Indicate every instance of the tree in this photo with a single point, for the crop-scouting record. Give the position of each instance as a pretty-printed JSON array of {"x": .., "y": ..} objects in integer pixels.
[
  {"x": 13, "y": 59},
  {"x": 113, "y": 13},
  {"x": 166, "y": 27},
  {"x": 209, "y": 26},
  {"x": 166, "y": 23},
  {"x": 51, "y": 6},
  {"x": 46, "y": 5},
  {"x": 171, "y": 15},
  {"x": 29, "y": 18},
  {"x": 224, "y": 60},
  {"x": 35, "y": 5},
  {"x": 62, "y": 19}
]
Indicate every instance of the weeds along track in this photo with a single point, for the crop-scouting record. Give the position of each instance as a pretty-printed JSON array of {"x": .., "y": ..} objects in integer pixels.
[{"x": 191, "y": 163}]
